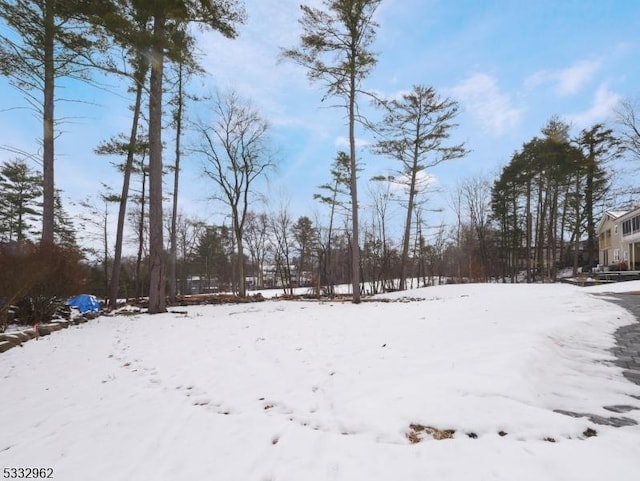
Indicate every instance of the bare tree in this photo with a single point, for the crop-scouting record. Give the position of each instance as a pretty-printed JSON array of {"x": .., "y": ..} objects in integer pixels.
[
  {"x": 281, "y": 224},
  {"x": 236, "y": 151},
  {"x": 256, "y": 236},
  {"x": 96, "y": 217},
  {"x": 629, "y": 126},
  {"x": 380, "y": 271},
  {"x": 476, "y": 194}
]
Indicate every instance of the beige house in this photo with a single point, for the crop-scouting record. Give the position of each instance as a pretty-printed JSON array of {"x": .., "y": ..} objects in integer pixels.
[{"x": 619, "y": 240}]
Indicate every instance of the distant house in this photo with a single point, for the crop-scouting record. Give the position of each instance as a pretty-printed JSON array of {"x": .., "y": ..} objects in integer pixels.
[{"x": 619, "y": 239}]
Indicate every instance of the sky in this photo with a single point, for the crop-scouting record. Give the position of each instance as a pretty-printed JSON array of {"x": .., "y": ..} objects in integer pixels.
[
  {"x": 519, "y": 377},
  {"x": 511, "y": 65}
]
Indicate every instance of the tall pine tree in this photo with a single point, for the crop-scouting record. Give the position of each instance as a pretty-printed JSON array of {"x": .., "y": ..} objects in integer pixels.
[
  {"x": 335, "y": 50},
  {"x": 39, "y": 46}
]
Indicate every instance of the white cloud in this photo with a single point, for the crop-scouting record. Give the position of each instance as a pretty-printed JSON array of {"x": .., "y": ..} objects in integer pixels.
[
  {"x": 568, "y": 81},
  {"x": 604, "y": 102},
  {"x": 480, "y": 95},
  {"x": 251, "y": 64},
  {"x": 342, "y": 141},
  {"x": 424, "y": 180}
]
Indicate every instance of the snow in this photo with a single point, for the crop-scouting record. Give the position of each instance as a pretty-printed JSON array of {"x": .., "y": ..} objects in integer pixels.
[{"x": 293, "y": 390}]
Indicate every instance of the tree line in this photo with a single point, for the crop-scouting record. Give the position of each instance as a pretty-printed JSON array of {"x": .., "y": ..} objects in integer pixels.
[{"x": 546, "y": 198}]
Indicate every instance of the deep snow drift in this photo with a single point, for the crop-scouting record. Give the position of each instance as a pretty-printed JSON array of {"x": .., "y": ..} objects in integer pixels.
[{"x": 303, "y": 391}]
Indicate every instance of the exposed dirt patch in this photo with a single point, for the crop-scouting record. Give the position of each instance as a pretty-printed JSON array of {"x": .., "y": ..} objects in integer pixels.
[{"x": 417, "y": 432}]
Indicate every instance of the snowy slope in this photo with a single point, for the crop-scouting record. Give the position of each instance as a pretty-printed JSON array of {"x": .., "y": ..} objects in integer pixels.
[{"x": 317, "y": 391}]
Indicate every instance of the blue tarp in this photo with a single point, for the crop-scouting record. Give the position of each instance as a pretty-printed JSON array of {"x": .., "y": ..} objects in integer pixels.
[{"x": 85, "y": 303}]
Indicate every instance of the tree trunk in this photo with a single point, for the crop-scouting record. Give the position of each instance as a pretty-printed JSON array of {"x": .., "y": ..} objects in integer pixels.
[
  {"x": 355, "y": 242},
  {"x": 237, "y": 232},
  {"x": 139, "y": 290},
  {"x": 124, "y": 196},
  {"x": 105, "y": 233},
  {"x": 407, "y": 231},
  {"x": 591, "y": 224},
  {"x": 242, "y": 288},
  {"x": 176, "y": 177},
  {"x": 48, "y": 194},
  {"x": 157, "y": 301},
  {"x": 529, "y": 228},
  {"x": 329, "y": 275}
]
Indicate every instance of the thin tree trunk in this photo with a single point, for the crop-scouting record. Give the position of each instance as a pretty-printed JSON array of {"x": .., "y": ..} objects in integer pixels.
[
  {"x": 139, "y": 289},
  {"x": 563, "y": 225},
  {"x": 529, "y": 228},
  {"x": 576, "y": 227},
  {"x": 176, "y": 177},
  {"x": 355, "y": 243},
  {"x": 553, "y": 234},
  {"x": 329, "y": 277},
  {"x": 105, "y": 233},
  {"x": 124, "y": 196},
  {"x": 591, "y": 224}
]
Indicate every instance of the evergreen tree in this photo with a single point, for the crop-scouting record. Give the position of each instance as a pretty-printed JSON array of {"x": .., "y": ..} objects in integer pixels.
[
  {"x": 414, "y": 132},
  {"x": 38, "y": 47},
  {"x": 598, "y": 145},
  {"x": 64, "y": 229},
  {"x": 305, "y": 236},
  {"x": 214, "y": 257},
  {"x": 338, "y": 189},
  {"x": 550, "y": 189},
  {"x": 335, "y": 50},
  {"x": 20, "y": 190}
]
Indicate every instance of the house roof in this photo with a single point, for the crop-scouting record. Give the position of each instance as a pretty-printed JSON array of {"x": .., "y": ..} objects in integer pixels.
[
  {"x": 611, "y": 214},
  {"x": 616, "y": 213},
  {"x": 631, "y": 212}
]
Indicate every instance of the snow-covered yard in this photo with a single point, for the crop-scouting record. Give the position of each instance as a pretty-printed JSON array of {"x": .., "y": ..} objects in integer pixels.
[{"x": 305, "y": 391}]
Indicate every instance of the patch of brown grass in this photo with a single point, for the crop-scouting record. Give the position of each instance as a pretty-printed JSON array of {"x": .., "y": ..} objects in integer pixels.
[{"x": 417, "y": 431}]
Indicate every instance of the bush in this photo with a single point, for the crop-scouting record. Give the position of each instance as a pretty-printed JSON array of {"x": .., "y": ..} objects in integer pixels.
[
  {"x": 38, "y": 308},
  {"x": 37, "y": 277}
]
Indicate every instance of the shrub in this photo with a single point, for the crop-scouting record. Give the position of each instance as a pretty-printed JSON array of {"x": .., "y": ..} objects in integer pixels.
[
  {"x": 38, "y": 308},
  {"x": 37, "y": 277}
]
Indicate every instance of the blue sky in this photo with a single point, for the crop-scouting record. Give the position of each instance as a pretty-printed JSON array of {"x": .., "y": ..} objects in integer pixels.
[{"x": 510, "y": 64}]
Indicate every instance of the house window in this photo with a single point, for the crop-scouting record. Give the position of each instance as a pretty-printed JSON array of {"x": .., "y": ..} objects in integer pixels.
[
  {"x": 616, "y": 255},
  {"x": 626, "y": 227}
]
